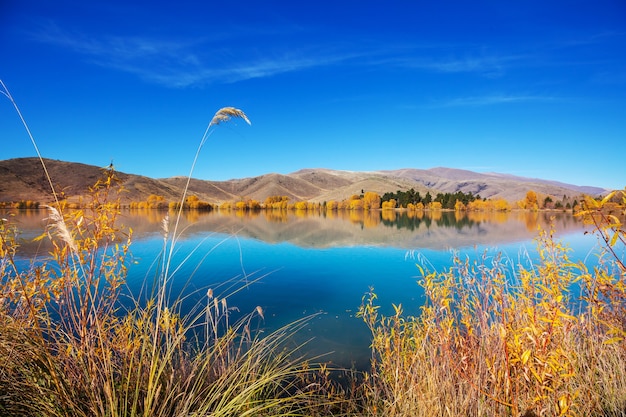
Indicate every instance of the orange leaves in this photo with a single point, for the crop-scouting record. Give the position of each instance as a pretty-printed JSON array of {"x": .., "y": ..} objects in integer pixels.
[
  {"x": 276, "y": 202},
  {"x": 511, "y": 339},
  {"x": 389, "y": 205},
  {"x": 605, "y": 290},
  {"x": 371, "y": 200}
]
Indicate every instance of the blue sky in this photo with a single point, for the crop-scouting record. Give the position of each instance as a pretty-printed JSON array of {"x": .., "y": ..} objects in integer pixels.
[{"x": 529, "y": 88}]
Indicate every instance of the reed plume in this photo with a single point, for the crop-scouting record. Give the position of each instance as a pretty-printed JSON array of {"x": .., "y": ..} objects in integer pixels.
[
  {"x": 222, "y": 115},
  {"x": 226, "y": 113},
  {"x": 56, "y": 223}
]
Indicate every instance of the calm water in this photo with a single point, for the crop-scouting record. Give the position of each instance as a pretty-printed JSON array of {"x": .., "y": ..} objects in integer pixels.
[{"x": 294, "y": 265}]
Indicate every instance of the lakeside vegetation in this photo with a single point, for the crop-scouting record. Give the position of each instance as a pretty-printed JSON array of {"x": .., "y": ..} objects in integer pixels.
[
  {"x": 402, "y": 200},
  {"x": 536, "y": 339},
  {"x": 491, "y": 340}
]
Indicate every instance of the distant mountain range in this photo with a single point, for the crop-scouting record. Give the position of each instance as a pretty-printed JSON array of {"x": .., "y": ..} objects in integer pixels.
[{"x": 23, "y": 179}]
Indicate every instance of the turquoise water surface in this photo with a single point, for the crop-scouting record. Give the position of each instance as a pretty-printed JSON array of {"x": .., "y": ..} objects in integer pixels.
[{"x": 296, "y": 266}]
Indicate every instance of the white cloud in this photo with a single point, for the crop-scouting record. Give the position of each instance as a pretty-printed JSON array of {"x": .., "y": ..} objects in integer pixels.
[
  {"x": 184, "y": 63},
  {"x": 187, "y": 62},
  {"x": 489, "y": 100}
]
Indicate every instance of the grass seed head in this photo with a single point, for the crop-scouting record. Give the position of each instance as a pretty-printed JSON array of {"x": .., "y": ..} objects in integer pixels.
[
  {"x": 58, "y": 226},
  {"x": 165, "y": 225},
  {"x": 226, "y": 113}
]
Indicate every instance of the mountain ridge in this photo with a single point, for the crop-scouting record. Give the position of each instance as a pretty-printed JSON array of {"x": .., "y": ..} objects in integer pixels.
[{"x": 23, "y": 179}]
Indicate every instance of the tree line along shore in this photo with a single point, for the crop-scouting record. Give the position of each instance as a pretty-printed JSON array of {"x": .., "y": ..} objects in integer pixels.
[{"x": 409, "y": 200}]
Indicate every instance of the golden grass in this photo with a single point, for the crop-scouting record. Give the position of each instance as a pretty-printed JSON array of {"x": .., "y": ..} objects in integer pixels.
[{"x": 495, "y": 339}]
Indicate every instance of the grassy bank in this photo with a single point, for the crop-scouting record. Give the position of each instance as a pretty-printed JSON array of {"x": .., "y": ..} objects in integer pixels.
[
  {"x": 493, "y": 338},
  {"x": 544, "y": 337}
]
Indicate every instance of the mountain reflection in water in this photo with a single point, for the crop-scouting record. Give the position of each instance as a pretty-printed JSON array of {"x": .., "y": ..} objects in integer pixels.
[
  {"x": 400, "y": 229},
  {"x": 437, "y": 230}
]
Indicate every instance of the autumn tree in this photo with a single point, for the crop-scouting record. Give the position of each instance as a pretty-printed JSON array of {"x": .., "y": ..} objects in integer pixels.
[
  {"x": 276, "y": 202},
  {"x": 501, "y": 205},
  {"x": 530, "y": 202},
  {"x": 154, "y": 201},
  {"x": 371, "y": 200},
  {"x": 26, "y": 204},
  {"x": 254, "y": 205},
  {"x": 389, "y": 205},
  {"x": 300, "y": 205},
  {"x": 193, "y": 202},
  {"x": 436, "y": 205},
  {"x": 356, "y": 204}
]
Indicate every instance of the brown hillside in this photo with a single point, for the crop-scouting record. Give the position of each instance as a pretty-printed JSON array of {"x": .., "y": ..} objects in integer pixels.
[
  {"x": 322, "y": 178},
  {"x": 23, "y": 179}
]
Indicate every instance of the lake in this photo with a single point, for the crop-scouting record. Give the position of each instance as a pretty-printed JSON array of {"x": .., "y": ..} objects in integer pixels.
[{"x": 295, "y": 264}]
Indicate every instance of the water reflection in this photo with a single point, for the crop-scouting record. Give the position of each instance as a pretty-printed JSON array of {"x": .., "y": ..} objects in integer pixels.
[
  {"x": 301, "y": 274},
  {"x": 399, "y": 229},
  {"x": 337, "y": 228}
]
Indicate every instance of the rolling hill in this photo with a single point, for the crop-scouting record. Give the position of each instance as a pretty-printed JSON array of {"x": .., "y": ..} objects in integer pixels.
[{"x": 24, "y": 179}]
